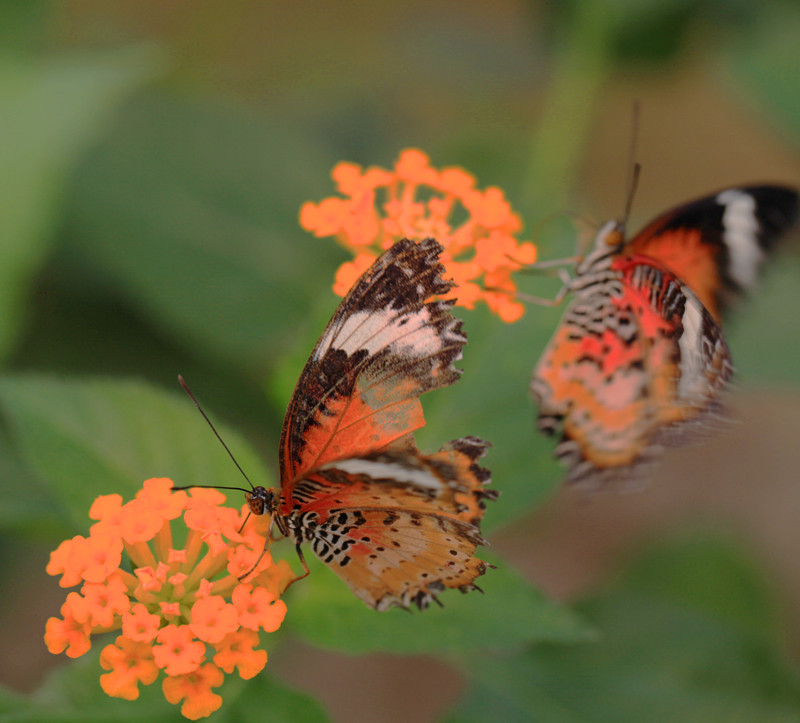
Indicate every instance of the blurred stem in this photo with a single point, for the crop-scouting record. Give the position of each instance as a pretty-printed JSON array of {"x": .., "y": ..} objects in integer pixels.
[{"x": 582, "y": 64}]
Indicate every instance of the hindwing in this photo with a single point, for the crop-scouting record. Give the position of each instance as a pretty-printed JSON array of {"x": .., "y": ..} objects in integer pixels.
[
  {"x": 633, "y": 362},
  {"x": 398, "y": 527}
]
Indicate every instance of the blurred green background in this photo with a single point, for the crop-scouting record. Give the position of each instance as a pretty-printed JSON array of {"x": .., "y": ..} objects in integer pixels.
[{"x": 154, "y": 160}]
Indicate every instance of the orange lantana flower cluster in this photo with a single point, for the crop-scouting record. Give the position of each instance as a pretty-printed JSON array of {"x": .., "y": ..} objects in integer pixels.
[
  {"x": 478, "y": 229},
  {"x": 181, "y": 612}
]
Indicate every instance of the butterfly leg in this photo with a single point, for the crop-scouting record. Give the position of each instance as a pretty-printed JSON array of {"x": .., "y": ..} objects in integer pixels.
[
  {"x": 549, "y": 264},
  {"x": 566, "y": 280},
  {"x": 267, "y": 542},
  {"x": 255, "y": 564},
  {"x": 305, "y": 567}
]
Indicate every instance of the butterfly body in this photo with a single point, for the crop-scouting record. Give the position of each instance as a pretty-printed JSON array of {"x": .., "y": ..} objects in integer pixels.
[
  {"x": 639, "y": 360},
  {"x": 397, "y": 525}
]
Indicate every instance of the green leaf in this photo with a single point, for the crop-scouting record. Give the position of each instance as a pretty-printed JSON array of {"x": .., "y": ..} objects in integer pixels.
[
  {"x": 22, "y": 495},
  {"x": 323, "y": 611},
  {"x": 658, "y": 660},
  {"x": 86, "y": 438},
  {"x": 52, "y": 109},
  {"x": 264, "y": 698},
  {"x": 72, "y": 692},
  {"x": 759, "y": 327},
  {"x": 192, "y": 212},
  {"x": 10, "y": 701},
  {"x": 710, "y": 574},
  {"x": 766, "y": 63}
]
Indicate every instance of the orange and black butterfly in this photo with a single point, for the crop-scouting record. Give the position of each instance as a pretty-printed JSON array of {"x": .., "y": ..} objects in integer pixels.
[
  {"x": 397, "y": 525},
  {"x": 639, "y": 359}
]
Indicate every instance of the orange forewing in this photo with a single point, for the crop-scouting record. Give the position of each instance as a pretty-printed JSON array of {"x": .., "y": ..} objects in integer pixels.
[
  {"x": 684, "y": 252},
  {"x": 389, "y": 341}
]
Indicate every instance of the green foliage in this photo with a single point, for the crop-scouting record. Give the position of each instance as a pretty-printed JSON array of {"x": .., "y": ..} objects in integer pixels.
[
  {"x": 84, "y": 439},
  {"x": 192, "y": 211},
  {"x": 72, "y": 694},
  {"x": 663, "y": 656},
  {"x": 325, "y": 613},
  {"x": 149, "y": 196},
  {"x": 766, "y": 64},
  {"x": 82, "y": 93}
]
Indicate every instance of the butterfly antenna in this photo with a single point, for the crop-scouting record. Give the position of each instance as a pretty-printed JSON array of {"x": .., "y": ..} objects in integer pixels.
[
  {"x": 634, "y": 167},
  {"x": 216, "y": 433}
]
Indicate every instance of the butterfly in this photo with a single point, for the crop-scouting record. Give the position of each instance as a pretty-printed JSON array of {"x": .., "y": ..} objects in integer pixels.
[
  {"x": 397, "y": 525},
  {"x": 639, "y": 360}
]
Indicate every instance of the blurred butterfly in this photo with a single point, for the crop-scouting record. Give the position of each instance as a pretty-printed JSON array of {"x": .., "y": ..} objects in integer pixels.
[
  {"x": 398, "y": 526},
  {"x": 639, "y": 361}
]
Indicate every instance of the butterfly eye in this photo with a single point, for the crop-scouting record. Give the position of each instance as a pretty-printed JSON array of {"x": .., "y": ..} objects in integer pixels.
[
  {"x": 610, "y": 235},
  {"x": 261, "y": 500},
  {"x": 615, "y": 236}
]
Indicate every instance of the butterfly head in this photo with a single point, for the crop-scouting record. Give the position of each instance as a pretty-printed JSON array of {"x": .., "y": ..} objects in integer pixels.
[
  {"x": 607, "y": 243},
  {"x": 262, "y": 501}
]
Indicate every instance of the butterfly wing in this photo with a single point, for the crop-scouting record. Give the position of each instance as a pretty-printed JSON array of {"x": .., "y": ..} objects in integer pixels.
[
  {"x": 397, "y": 526},
  {"x": 717, "y": 244},
  {"x": 385, "y": 345},
  {"x": 633, "y": 363}
]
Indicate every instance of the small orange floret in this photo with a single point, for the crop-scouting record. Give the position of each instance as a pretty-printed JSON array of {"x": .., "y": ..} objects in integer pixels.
[
  {"x": 68, "y": 634},
  {"x": 478, "y": 229},
  {"x": 324, "y": 219},
  {"x": 213, "y": 619},
  {"x": 149, "y": 580},
  {"x": 177, "y": 652},
  {"x": 241, "y": 559},
  {"x": 258, "y": 608},
  {"x": 64, "y": 561},
  {"x": 158, "y": 496},
  {"x": 276, "y": 578},
  {"x": 349, "y": 272},
  {"x": 106, "y": 508},
  {"x": 236, "y": 650},
  {"x": 204, "y": 589},
  {"x": 414, "y": 166},
  {"x": 140, "y": 523},
  {"x": 195, "y": 690},
  {"x": 203, "y": 512},
  {"x": 502, "y": 301},
  {"x": 139, "y": 625},
  {"x": 175, "y": 610},
  {"x": 170, "y": 610},
  {"x": 130, "y": 663},
  {"x": 106, "y": 601},
  {"x": 101, "y": 556}
]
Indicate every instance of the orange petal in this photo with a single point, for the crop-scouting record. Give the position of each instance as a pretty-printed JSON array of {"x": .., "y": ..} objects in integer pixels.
[
  {"x": 413, "y": 165},
  {"x": 258, "y": 608},
  {"x": 139, "y": 625},
  {"x": 130, "y": 663},
  {"x": 177, "y": 652},
  {"x": 212, "y": 619},
  {"x": 350, "y": 272},
  {"x": 236, "y": 650},
  {"x": 195, "y": 690},
  {"x": 67, "y": 634}
]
